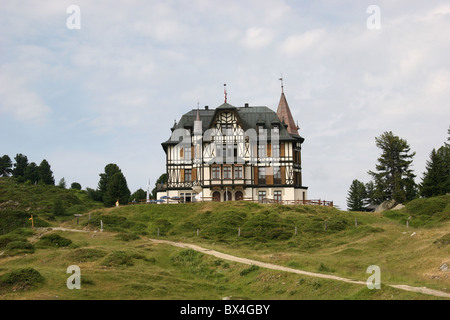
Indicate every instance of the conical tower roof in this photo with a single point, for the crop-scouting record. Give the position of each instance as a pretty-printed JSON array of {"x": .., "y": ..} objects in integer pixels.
[{"x": 284, "y": 114}]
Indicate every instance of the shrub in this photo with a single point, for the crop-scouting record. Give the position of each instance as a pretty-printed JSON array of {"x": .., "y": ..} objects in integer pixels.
[
  {"x": 251, "y": 269},
  {"x": 187, "y": 257},
  {"x": 127, "y": 236},
  {"x": 19, "y": 247},
  {"x": 443, "y": 241},
  {"x": 21, "y": 279},
  {"x": 85, "y": 254},
  {"x": 4, "y": 240},
  {"x": 118, "y": 258},
  {"x": 54, "y": 240}
]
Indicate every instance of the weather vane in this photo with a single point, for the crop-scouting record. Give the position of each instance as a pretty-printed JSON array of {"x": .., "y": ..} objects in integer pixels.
[
  {"x": 225, "y": 91},
  {"x": 281, "y": 79}
]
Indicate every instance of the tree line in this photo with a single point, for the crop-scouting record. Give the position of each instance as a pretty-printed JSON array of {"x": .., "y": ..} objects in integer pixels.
[
  {"x": 393, "y": 178},
  {"x": 29, "y": 172},
  {"x": 111, "y": 187}
]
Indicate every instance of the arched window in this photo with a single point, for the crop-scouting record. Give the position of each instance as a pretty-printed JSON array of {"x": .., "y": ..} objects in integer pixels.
[
  {"x": 238, "y": 196},
  {"x": 216, "y": 196}
]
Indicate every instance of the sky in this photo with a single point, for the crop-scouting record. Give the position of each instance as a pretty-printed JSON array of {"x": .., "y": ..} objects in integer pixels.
[{"x": 105, "y": 84}]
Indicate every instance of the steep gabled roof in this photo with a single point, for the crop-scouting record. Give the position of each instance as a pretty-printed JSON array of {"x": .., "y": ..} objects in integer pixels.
[
  {"x": 249, "y": 118},
  {"x": 284, "y": 114}
]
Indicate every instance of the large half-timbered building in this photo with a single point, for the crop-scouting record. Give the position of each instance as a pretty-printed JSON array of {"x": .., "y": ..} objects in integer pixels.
[{"x": 235, "y": 153}]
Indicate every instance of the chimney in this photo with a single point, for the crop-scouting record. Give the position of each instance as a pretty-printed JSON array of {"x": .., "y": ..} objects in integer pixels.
[
  {"x": 246, "y": 105},
  {"x": 206, "y": 107}
]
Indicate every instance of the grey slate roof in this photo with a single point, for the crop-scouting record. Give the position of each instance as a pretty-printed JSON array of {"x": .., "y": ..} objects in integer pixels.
[{"x": 248, "y": 116}]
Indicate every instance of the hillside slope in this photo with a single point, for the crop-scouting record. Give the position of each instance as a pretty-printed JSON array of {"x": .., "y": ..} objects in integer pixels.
[
  {"x": 18, "y": 201},
  {"x": 122, "y": 263}
]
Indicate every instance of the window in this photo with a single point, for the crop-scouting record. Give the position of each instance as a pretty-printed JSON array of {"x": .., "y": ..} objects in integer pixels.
[
  {"x": 187, "y": 175},
  {"x": 275, "y": 150},
  {"x": 261, "y": 196},
  {"x": 227, "y": 129},
  {"x": 260, "y": 129},
  {"x": 227, "y": 172},
  {"x": 261, "y": 175},
  {"x": 228, "y": 154},
  {"x": 216, "y": 173},
  {"x": 275, "y": 129},
  {"x": 277, "y": 195},
  {"x": 238, "y": 196},
  {"x": 262, "y": 150},
  {"x": 276, "y": 175},
  {"x": 238, "y": 172},
  {"x": 187, "y": 153}
]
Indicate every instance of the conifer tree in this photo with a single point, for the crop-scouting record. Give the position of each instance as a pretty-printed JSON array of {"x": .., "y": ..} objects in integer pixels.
[
  {"x": 5, "y": 166},
  {"x": 45, "y": 173},
  {"x": 117, "y": 190},
  {"x": 20, "y": 165},
  {"x": 31, "y": 173},
  {"x": 356, "y": 196},
  {"x": 436, "y": 179},
  {"x": 394, "y": 178}
]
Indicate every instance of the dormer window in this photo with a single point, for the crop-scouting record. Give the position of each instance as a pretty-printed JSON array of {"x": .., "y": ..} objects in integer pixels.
[
  {"x": 275, "y": 128},
  {"x": 260, "y": 129}
]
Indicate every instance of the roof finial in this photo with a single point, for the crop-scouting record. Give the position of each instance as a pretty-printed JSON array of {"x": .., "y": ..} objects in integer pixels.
[
  {"x": 225, "y": 91},
  {"x": 282, "y": 87}
]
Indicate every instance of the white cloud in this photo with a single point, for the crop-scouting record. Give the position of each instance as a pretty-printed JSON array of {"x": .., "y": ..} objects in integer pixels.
[
  {"x": 299, "y": 43},
  {"x": 256, "y": 38},
  {"x": 21, "y": 102}
]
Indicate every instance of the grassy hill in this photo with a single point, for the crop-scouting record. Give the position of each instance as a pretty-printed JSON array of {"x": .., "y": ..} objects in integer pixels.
[
  {"x": 18, "y": 201},
  {"x": 122, "y": 263}
]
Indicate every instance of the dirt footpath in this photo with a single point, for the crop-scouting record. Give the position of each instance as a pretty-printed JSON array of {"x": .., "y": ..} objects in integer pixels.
[{"x": 225, "y": 256}]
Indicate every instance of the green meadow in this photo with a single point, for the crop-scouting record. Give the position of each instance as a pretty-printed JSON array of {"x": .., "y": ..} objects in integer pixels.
[{"x": 121, "y": 262}]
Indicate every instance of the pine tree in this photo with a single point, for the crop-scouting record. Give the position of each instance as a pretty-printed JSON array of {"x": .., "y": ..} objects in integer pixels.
[
  {"x": 139, "y": 194},
  {"x": 117, "y": 190},
  {"x": 5, "y": 166},
  {"x": 110, "y": 170},
  {"x": 45, "y": 173},
  {"x": 436, "y": 179},
  {"x": 31, "y": 173},
  {"x": 370, "y": 193},
  {"x": 20, "y": 165},
  {"x": 394, "y": 179},
  {"x": 356, "y": 196},
  {"x": 62, "y": 183}
]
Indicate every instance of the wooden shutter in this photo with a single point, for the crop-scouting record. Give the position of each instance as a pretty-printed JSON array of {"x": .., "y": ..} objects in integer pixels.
[
  {"x": 283, "y": 175},
  {"x": 182, "y": 175},
  {"x": 269, "y": 149},
  {"x": 282, "y": 149},
  {"x": 269, "y": 175},
  {"x": 181, "y": 152},
  {"x": 194, "y": 174}
]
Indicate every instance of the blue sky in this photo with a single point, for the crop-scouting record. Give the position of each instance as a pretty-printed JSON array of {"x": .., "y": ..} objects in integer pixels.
[{"x": 110, "y": 91}]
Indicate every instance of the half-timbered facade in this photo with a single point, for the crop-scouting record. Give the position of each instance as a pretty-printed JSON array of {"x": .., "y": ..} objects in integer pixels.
[{"x": 235, "y": 153}]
